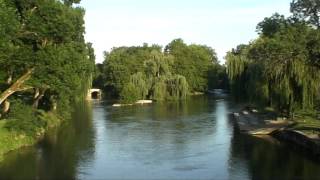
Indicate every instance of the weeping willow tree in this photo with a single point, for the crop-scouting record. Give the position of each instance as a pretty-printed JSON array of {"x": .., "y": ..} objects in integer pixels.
[
  {"x": 295, "y": 81},
  {"x": 258, "y": 87},
  {"x": 137, "y": 88},
  {"x": 129, "y": 93},
  {"x": 158, "y": 64},
  {"x": 159, "y": 89},
  {"x": 237, "y": 64},
  {"x": 140, "y": 84},
  {"x": 177, "y": 87},
  {"x": 155, "y": 81},
  {"x": 276, "y": 70},
  {"x": 147, "y": 75}
]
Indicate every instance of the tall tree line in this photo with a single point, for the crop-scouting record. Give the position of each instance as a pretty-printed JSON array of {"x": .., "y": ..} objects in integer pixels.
[
  {"x": 150, "y": 72},
  {"x": 44, "y": 59},
  {"x": 281, "y": 68}
]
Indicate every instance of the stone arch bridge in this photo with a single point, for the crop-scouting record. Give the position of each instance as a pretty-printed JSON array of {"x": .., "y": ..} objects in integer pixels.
[{"x": 94, "y": 94}]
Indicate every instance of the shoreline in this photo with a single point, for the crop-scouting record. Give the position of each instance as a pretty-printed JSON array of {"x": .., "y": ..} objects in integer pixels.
[
  {"x": 13, "y": 140},
  {"x": 261, "y": 125}
]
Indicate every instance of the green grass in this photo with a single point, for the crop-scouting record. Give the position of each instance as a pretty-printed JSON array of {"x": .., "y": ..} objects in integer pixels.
[
  {"x": 11, "y": 140},
  {"x": 307, "y": 122}
]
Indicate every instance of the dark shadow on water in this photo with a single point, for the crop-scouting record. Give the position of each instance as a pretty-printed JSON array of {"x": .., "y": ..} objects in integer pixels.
[
  {"x": 191, "y": 139},
  {"x": 261, "y": 159},
  {"x": 58, "y": 155}
]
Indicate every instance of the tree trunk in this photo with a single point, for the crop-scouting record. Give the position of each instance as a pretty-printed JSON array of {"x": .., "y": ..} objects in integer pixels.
[
  {"x": 36, "y": 93},
  {"x": 6, "y": 104},
  {"x": 9, "y": 79},
  {"x": 53, "y": 103},
  {"x": 17, "y": 86},
  {"x": 54, "y": 106},
  {"x": 6, "y": 107},
  {"x": 37, "y": 97}
]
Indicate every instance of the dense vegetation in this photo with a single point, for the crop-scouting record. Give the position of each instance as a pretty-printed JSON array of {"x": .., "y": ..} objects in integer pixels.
[
  {"x": 281, "y": 68},
  {"x": 45, "y": 63},
  {"x": 148, "y": 72}
]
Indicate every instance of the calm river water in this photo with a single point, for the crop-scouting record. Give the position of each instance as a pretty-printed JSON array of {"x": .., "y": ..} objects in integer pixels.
[{"x": 185, "y": 140}]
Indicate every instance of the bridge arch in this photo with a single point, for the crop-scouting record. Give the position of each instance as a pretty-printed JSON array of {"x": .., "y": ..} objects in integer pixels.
[{"x": 94, "y": 94}]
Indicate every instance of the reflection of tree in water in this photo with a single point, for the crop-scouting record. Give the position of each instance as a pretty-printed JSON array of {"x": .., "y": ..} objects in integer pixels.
[
  {"x": 167, "y": 110},
  {"x": 166, "y": 128},
  {"x": 59, "y": 155},
  {"x": 265, "y": 160}
]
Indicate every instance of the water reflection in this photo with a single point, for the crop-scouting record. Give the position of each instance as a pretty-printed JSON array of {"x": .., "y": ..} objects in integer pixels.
[
  {"x": 262, "y": 159},
  {"x": 160, "y": 141},
  {"x": 193, "y": 139},
  {"x": 58, "y": 155}
]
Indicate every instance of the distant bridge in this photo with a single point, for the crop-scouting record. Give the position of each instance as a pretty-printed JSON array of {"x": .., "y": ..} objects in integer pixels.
[{"x": 94, "y": 94}]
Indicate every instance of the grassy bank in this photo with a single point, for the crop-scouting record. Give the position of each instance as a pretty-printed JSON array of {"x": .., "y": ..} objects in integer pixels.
[
  {"x": 308, "y": 124},
  {"x": 305, "y": 122},
  {"x": 12, "y": 138}
]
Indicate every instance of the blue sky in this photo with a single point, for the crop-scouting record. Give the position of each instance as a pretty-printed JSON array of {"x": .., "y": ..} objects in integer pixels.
[{"x": 221, "y": 24}]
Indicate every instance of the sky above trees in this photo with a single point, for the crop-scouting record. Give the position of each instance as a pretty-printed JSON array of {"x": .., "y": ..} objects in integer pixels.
[{"x": 221, "y": 24}]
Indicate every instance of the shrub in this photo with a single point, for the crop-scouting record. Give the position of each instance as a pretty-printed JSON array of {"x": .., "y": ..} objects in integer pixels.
[
  {"x": 129, "y": 94},
  {"x": 23, "y": 119}
]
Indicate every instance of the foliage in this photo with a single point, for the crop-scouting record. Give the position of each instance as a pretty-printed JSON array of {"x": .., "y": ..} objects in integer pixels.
[
  {"x": 11, "y": 140},
  {"x": 308, "y": 10},
  {"x": 192, "y": 61},
  {"x": 129, "y": 94},
  {"x": 159, "y": 89},
  {"x": 218, "y": 77},
  {"x": 23, "y": 119},
  {"x": 280, "y": 68},
  {"x": 24, "y": 126},
  {"x": 177, "y": 87},
  {"x": 46, "y": 36},
  {"x": 271, "y": 25},
  {"x": 98, "y": 77},
  {"x": 161, "y": 75},
  {"x": 145, "y": 71},
  {"x": 123, "y": 62},
  {"x": 140, "y": 84},
  {"x": 47, "y": 39}
]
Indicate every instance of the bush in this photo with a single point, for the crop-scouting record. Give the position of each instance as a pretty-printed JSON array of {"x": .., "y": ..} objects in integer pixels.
[
  {"x": 23, "y": 119},
  {"x": 159, "y": 90},
  {"x": 129, "y": 94}
]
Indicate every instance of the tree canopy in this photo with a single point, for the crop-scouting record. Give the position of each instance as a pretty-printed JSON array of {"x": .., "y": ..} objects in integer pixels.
[
  {"x": 308, "y": 10},
  {"x": 148, "y": 72},
  {"x": 280, "y": 68},
  {"x": 46, "y": 39},
  {"x": 192, "y": 61}
]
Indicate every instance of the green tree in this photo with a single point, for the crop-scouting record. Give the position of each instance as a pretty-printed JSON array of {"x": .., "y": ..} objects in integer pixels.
[
  {"x": 123, "y": 62},
  {"x": 308, "y": 10},
  {"x": 278, "y": 70},
  {"x": 129, "y": 93},
  {"x": 161, "y": 75},
  {"x": 271, "y": 25},
  {"x": 192, "y": 61},
  {"x": 140, "y": 84},
  {"x": 46, "y": 43}
]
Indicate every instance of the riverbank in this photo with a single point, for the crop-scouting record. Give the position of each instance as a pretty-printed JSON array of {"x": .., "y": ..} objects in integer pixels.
[
  {"x": 14, "y": 139},
  {"x": 302, "y": 132},
  {"x": 251, "y": 121}
]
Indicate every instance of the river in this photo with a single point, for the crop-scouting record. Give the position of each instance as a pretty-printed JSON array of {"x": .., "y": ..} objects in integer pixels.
[{"x": 182, "y": 140}]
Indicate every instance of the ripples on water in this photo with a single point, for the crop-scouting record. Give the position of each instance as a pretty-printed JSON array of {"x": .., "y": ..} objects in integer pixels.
[{"x": 184, "y": 140}]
